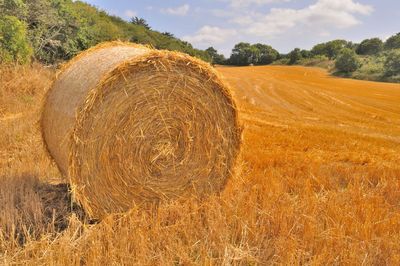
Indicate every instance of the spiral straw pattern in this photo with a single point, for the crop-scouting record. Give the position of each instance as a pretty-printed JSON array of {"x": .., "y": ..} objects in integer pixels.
[{"x": 131, "y": 125}]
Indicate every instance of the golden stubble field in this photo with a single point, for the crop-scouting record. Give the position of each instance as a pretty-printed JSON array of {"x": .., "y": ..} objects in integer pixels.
[{"x": 319, "y": 182}]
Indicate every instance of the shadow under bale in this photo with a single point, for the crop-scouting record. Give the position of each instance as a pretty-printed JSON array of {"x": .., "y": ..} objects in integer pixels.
[{"x": 31, "y": 208}]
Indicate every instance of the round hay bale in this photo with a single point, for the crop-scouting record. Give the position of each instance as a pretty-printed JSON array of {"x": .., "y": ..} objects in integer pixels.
[{"x": 129, "y": 125}]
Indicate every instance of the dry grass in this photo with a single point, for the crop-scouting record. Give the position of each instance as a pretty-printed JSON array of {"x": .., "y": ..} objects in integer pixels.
[{"x": 319, "y": 183}]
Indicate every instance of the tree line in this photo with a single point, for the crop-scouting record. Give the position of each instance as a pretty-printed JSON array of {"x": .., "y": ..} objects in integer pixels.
[
  {"x": 50, "y": 31},
  {"x": 348, "y": 56}
]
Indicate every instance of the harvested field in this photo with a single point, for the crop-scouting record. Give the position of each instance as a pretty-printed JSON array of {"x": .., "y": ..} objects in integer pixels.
[{"x": 317, "y": 183}]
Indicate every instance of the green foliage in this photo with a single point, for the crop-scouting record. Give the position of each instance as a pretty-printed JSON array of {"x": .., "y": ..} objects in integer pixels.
[
  {"x": 392, "y": 63},
  {"x": 258, "y": 54},
  {"x": 267, "y": 54},
  {"x": 370, "y": 47},
  {"x": 241, "y": 54},
  {"x": 294, "y": 56},
  {"x": 215, "y": 57},
  {"x": 306, "y": 54},
  {"x": 168, "y": 34},
  {"x": 393, "y": 42},
  {"x": 16, "y": 8},
  {"x": 281, "y": 61},
  {"x": 372, "y": 68},
  {"x": 330, "y": 49},
  {"x": 317, "y": 61},
  {"x": 59, "y": 29},
  {"x": 347, "y": 61},
  {"x": 140, "y": 22},
  {"x": 14, "y": 45}
]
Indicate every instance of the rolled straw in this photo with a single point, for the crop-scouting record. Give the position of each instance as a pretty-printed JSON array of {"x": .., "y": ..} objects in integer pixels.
[{"x": 128, "y": 125}]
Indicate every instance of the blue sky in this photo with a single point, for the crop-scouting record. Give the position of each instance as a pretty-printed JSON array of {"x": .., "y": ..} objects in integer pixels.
[{"x": 284, "y": 24}]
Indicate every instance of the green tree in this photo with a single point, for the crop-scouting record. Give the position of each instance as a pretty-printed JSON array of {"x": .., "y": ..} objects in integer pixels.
[
  {"x": 330, "y": 49},
  {"x": 241, "y": 54},
  {"x": 392, "y": 64},
  {"x": 16, "y": 8},
  {"x": 59, "y": 29},
  {"x": 140, "y": 22},
  {"x": 51, "y": 29},
  {"x": 347, "y": 61},
  {"x": 306, "y": 54},
  {"x": 352, "y": 45},
  {"x": 168, "y": 34},
  {"x": 267, "y": 54},
  {"x": 393, "y": 42},
  {"x": 370, "y": 47},
  {"x": 215, "y": 57},
  {"x": 257, "y": 54},
  {"x": 14, "y": 44},
  {"x": 294, "y": 56}
]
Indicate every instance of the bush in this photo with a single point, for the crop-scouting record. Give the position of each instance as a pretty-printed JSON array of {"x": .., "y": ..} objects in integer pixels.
[
  {"x": 370, "y": 46},
  {"x": 321, "y": 61},
  {"x": 14, "y": 45},
  {"x": 347, "y": 61},
  {"x": 330, "y": 49},
  {"x": 393, "y": 42},
  {"x": 294, "y": 56},
  {"x": 372, "y": 68},
  {"x": 392, "y": 63},
  {"x": 281, "y": 61}
]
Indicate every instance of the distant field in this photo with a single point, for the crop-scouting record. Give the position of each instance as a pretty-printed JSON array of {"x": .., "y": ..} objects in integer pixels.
[{"x": 318, "y": 182}]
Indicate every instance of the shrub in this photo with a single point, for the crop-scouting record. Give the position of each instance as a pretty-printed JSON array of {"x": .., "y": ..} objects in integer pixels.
[
  {"x": 14, "y": 45},
  {"x": 393, "y": 42},
  {"x": 347, "y": 61},
  {"x": 392, "y": 63},
  {"x": 370, "y": 46},
  {"x": 372, "y": 68},
  {"x": 294, "y": 56},
  {"x": 330, "y": 49},
  {"x": 321, "y": 61}
]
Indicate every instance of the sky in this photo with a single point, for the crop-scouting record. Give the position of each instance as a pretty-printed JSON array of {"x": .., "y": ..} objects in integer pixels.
[{"x": 283, "y": 24}]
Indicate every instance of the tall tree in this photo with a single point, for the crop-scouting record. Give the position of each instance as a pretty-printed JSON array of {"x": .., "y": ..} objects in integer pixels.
[
  {"x": 294, "y": 56},
  {"x": 267, "y": 54},
  {"x": 216, "y": 58},
  {"x": 241, "y": 54}
]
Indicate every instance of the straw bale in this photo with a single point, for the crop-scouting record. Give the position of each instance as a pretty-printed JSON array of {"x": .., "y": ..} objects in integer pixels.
[{"x": 127, "y": 124}]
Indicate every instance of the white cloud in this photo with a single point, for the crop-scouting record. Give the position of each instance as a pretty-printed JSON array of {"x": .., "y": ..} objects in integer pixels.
[
  {"x": 319, "y": 17},
  {"x": 130, "y": 13},
  {"x": 284, "y": 27},
  {"x": 209, "y": 35},
  {"x": 177, "y": 11},
  {"x": 246, "y": 3}
]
